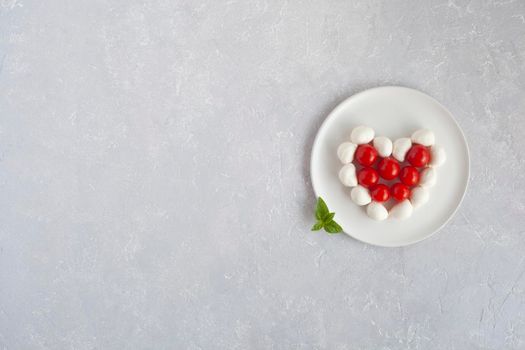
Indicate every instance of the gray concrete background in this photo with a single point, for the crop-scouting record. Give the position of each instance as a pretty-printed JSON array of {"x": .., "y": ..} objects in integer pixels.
[{"x": 154, "y": 185}]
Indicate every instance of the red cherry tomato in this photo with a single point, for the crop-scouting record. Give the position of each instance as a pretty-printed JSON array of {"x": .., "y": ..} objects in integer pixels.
[
  {"x": 367, "y": 177},
  {"x": 400, "y": 191},
  {"x": 418, "y": 156},
  {"x": 388, "y": 168},
  {"x": 409, "y": 176},
  {"x": 366, "y": 155},
  {"x": 380, "y": 193}
]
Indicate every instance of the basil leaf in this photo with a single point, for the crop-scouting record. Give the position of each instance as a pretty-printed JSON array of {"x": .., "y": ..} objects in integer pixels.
[
  {"x": 318, "y": 225},
  {"x": 329, "y": 217},
  {"x": 333, "y": 227},
  {"x": 325, "y": 219},
  {"x": 321, "y": 209}
]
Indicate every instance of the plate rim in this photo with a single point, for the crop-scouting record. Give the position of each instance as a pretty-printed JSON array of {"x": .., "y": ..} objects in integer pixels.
[{"x": 463, "y": 136}]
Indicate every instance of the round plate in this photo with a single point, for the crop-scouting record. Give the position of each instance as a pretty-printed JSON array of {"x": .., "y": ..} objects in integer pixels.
[{"x": 393, "y": 112}]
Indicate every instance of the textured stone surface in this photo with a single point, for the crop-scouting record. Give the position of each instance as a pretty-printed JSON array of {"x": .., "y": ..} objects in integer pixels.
[{"x": 154, "y": 185}]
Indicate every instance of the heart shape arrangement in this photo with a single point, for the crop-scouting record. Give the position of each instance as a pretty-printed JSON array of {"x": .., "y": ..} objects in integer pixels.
[{"x": 380, "y": 171}]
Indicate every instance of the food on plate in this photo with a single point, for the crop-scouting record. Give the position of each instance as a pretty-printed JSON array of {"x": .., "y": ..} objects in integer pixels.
[
  {"x": 400, "y": 191},
  {"x": 409, "y": 176},
  {"x": 360, "y": 195},
  {"x": 345, "y": 152},
  {"x": 383, "y": 145},
  {"x": 380, "y": 193},
  {"x": 402, "y": 210},
  {"x": 400, "y": 148},
  {"x": 419, "y": 196},
  {"x": 377, "y": 211},
  {"x": 428, "y": 177},
  {"x": 362, "y": 135},
  {"x": 365, "y": 155},
  {"x": 423, "y": 137},
  {"x": 418, "y": 156},
  {"x": 347, "y": 175},
  {"x": 383, "y": 172},
  {"x": 438, "y": 157},
  {"x": 388, "y": 168},
  {"x": 367, "y": 177}
]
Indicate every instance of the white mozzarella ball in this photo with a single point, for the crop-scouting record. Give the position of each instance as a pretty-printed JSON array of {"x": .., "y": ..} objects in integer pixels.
[
  {"x": 360, "y": 195},
  {"x": 361, "y": 135},
  {"x": 346, "y": 151},
  {"x": 377, "y": 211},
  {"x": 402, "y": 210},
  {"x": 428, "y": 177},
  {"x": 383, "y": 145},
  {"x": 347, "y": 175},
  {"x": 419, "y": 196},
  {"x": 401, "y": 147},
  {"x": 423, "y": 137},
  {"x": 437, "y": 156}
]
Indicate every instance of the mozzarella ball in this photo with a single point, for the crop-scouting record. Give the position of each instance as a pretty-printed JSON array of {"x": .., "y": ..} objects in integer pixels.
[
  {"x": 419, "y": 196},
  {"x": 348, "y": 176},
  {"x": 383, "y": 146},
  {"x": 402, "y": 210},
  {"x": 360, "y": 195},
  {"x": 361, "y": 135},
  {"x": 346, "y": 151},
  {"x": 401, "y": 147},
  {"x": 428, "y": 177},
  {"x": 437, "y": 156},
  {"x": 377, "y": 211},
  {"x": 423, "y": 137}
]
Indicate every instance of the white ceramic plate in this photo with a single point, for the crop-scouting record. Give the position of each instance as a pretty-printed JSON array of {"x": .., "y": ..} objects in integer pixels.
[{"x": 393, "y": 112}]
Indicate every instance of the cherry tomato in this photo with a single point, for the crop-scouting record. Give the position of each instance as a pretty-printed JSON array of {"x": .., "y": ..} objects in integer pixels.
[
  {"x": 400, "y": 191},
  {"x": 409, "y": 176},
  {"x": 367, "y": 177},
  {"x": 366, "y": 155},
  {"x": 380, "y": 193},
  {"x": 388, "y": 168},
  {"x": 418, "y": 156}
]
